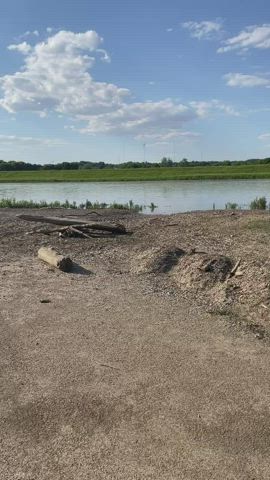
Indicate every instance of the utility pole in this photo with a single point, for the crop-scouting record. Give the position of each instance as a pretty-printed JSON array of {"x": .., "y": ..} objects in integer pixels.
[
  {"x": 144, "y": 151},
  {"x": 173, "y": 151}
]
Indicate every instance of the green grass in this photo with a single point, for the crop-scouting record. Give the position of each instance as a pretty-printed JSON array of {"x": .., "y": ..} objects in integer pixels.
[
  {"x": 13, "y": 203},
  {"x": 140, "y": 174}
]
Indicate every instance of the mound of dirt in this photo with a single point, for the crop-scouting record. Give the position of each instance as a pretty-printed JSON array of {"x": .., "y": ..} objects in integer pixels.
[
  {"x": 202, "y": 271},
  {"x": 157, "y": 260},
  {"x": 206, "y": 277}
]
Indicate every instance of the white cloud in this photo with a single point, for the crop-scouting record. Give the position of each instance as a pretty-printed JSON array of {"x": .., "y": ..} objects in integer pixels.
[
  {"x": 242, "y": 80},
  {"x": 165, "y": 118},
  {"x": 105, "y": 57},
  {"x": 264, "y": 136},
  {"x": 204, "y": 109},
  {"x": 203, "y": 30},
  {"x": 169, "y": 30},
  {"x": 29, "y": 141},
  {"x": 55, "y": 77},
  {"x": 34, "y": 33},
  {"x": 255, "y": 36},
  {"x": 23, "y": 47},
  {"x": 141, "y": 118}
]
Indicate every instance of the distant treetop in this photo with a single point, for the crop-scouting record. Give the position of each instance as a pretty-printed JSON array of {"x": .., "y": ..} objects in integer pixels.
[{"x": 164, "y": 162}]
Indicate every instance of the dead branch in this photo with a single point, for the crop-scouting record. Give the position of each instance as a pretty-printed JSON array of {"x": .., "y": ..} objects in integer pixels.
[
  {"x": 235, "y": 268},
  {"x": 113, "y": 228},
  {"x": 79, "y": 232}
]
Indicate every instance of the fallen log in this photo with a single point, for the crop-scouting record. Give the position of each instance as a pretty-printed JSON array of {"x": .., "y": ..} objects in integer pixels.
[
  {"x": 113, "y": 228},
  {"x": 50, "y": 256}
]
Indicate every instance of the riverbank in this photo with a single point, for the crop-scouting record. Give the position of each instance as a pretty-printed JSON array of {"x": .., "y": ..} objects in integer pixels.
[
  {"x": 231, "y": 235},
  {"x": 140, "y": 174},
  {"x": 148, "y": 360}
]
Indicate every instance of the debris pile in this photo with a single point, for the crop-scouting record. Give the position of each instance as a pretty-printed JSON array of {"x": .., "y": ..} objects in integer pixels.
[{"x": 75, "y": 228}]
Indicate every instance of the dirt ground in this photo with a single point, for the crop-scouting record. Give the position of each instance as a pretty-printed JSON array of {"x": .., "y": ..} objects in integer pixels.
[{"x": 150, "y": 360}]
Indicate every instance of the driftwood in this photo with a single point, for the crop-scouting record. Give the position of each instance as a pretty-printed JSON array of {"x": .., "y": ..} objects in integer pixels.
[
  {"x": 50, "y": 256},
  {"x": 62, "y": 231},
  {"x": 107, "y": 227},
  {"x": 79, "y": 232}
]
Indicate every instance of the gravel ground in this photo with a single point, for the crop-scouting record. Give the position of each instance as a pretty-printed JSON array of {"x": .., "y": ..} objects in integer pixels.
[{"x": 144, "y": 362}]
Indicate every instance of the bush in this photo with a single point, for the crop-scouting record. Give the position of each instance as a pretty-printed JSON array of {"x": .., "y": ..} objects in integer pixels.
[
  {"x": 231, "y": 206},
  {"x": 258, "y": 204}
]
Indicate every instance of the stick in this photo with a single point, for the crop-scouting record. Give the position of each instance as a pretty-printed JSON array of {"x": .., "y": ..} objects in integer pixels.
[
  {"x": 232, "y": 272},
  {"x": 113, "y": 228},
  {"x": 79, "y": 232},
  {"x": 109, "y": 366},
  {"x": 171, "y": 225},
  {"x": 50, "y": 256}
]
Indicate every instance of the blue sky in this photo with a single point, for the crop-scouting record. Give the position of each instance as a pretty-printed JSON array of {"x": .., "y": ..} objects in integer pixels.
[{"x": 98, "y": 80}]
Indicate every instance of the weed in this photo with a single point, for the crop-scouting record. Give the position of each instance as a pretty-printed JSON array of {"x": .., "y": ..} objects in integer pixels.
[{"x": 258, "y": 204}]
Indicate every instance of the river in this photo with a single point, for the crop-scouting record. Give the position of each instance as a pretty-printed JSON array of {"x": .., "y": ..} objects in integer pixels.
[{"x": 169, "y": 196}]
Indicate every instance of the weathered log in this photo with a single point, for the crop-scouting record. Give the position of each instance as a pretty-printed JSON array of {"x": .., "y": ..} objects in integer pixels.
[
  {"x": 50, "y": 256},
  {"x": 113, "y": 228}
]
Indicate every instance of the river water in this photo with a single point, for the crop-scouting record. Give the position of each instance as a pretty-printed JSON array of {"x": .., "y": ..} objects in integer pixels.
[{"x": 169, "y": 196}]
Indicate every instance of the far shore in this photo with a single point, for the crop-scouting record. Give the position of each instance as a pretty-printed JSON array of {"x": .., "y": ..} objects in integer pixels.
[{"x": 231, "y": 172}]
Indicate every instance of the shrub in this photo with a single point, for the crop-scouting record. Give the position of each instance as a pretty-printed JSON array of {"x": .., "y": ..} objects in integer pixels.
[
  {"x": 258, "y": 204},
  {"x": 231, "y": 206}
]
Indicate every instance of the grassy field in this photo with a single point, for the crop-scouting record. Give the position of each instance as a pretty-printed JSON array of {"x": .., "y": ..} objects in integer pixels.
[{"x": 141, "y": 174}]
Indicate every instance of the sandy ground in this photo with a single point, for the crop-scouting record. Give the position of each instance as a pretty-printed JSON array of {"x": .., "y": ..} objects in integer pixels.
[{"x": 129, "y": 371}]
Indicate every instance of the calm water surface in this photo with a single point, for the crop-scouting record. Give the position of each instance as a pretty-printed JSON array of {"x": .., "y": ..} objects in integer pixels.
[{"x": 169, "y": 196}]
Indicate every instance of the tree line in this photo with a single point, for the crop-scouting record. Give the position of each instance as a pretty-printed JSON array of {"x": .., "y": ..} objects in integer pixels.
[{"x": 165, "y": 162}]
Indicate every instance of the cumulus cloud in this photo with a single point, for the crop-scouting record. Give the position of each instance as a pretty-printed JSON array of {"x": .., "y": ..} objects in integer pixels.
[
  {"x": 243, "y": 80},
  {"x": 255, "y": 36},
  {"x": 203, "y": 30},
  {"x": 55, "y": 77},
  {"x": 204, "y": 109},
  {"x": 141, "y": 118},
  {"x": 160, "y": 120},
  {"x": 23, "y": 47}
]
